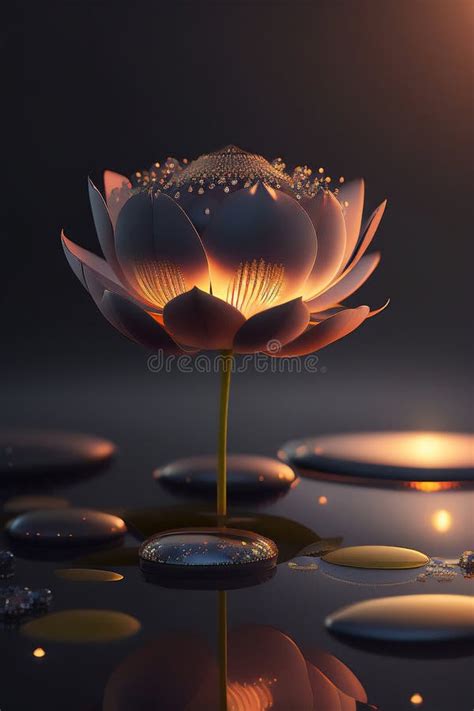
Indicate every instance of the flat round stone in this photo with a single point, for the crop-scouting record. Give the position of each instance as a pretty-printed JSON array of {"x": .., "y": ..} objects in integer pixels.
[
  {"x": 32, "y": 453},
  {"x": 407, "y": 618},
  {"x": 82, "y": 626},
  {"x": 404, "y": 456},
  {"x": 247, "y": 476},
  {"x": 216, "y": 551},
  {"x": 71, "y": 526},
  {"x": 383, "y": 557}
]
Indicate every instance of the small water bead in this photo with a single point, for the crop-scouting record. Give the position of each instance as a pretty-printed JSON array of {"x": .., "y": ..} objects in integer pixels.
[
  {"x": 17, "y": 601},
  {"x": 466, "y": 562},
  {"x": 303, "y": 563},
  {"x": 71, "y": 526},
  {"x": 439, "y": 570},
  {"x": 82, "y": 626},
  {"x": 7, "y": 564},
  {"x": 382, "y": 557},
  {"x": 407, "y": 618}
]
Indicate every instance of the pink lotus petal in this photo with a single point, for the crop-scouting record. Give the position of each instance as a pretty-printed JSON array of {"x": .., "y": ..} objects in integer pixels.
[
  {"x": 321, "y": 335},
  {"x": 77, "y": 256},
  {"x": 263, "y": 657},
  {"x": 338, "y": 673},
  {"x": 379, "y": 310},
  {"x": 325, "y": 694},
  {"x": 328, "y": 220},
  {"x": 135, "y": 323},
  {"x": 159, "y": 250},
  {"x": 347, "y": 703},
  {"x": 261, "y": 247},
  {"x": 368, "y": 234},
  {"x": 347, "y": 284},
  {"x": 327, "y": 313},
  {"x": 323, "y": 315},
  {"x": 202, "y": 321},
  {"x": 83, "y": 262},
  {"x": 166, "y": 674},
  {"x": 278, "y": 325},
  {"x": 103, "y": 226},
  {"x": 118, "y": 189},
  {"x": 351, "y": 196}
]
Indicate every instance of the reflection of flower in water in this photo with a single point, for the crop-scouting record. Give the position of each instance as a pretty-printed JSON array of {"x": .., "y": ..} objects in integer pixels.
[
  {"x": 254, "y": 696},
  {"x": 267, "y": 671}
]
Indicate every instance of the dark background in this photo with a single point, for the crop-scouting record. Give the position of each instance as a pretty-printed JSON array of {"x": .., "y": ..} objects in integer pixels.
[
  {"x": 378, "y": 88},
  {"x": 363, "y": 87}
]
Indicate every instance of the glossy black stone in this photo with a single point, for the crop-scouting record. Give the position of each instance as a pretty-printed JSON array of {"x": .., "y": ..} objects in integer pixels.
[
  {"x": 407, "y": 618},
  {"x": 65, "y": 527},
  {"x": 247, "y": 476},
  {"x": 396, "y": 456},
  {"x": 26, "y": 454},
  {"x": 207, "y": 551}
]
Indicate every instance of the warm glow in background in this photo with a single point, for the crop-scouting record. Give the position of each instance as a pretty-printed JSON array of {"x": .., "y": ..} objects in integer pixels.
[{"x": 377, "y": 89}]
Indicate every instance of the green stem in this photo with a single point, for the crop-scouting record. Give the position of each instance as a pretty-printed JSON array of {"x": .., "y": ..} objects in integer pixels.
[
  {"x": 227, "y": 360},
  {"x": 222, "y": 646}
]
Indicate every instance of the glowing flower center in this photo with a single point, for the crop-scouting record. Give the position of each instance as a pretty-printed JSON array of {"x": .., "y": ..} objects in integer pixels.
[
  {"x": 159, "y": 281},
  {"x": 255, "y": 286}
]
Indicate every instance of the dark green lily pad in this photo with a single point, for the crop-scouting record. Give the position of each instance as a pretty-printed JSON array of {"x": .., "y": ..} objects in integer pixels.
[
  {"x": 125, "y": 556},
  {"x": 321, "y": 547}
]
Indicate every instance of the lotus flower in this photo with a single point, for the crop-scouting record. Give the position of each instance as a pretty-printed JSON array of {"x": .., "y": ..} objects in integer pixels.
[
  {"x": 228, "y": 252},
  {"x": 266, "y": 670}
]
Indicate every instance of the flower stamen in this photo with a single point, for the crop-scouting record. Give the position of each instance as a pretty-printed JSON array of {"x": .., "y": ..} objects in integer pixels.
[
  {"x": 256, "y": 284},
  {"x": 159, "y": 281}
]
